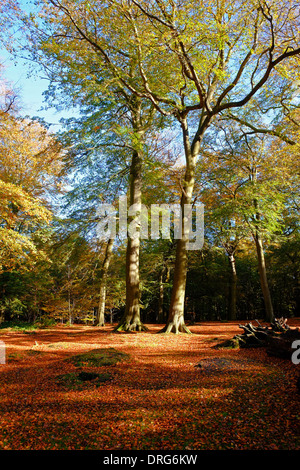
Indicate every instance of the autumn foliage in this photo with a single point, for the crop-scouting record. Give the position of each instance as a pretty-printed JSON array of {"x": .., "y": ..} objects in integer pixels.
[
  {"x": 171, "y": 102},
  {"x": 152, "y": 397}
]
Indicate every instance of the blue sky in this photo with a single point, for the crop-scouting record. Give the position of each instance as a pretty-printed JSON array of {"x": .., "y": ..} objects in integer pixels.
[{"x": 30, "y": 88}]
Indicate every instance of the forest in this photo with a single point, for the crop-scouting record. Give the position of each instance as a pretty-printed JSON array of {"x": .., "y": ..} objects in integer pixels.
[
  {"x": 157, "y": 220},
  {"x": 173, "y": 102}
]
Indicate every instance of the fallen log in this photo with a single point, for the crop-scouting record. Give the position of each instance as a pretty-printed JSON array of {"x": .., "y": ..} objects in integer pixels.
[
  {"x": 277, "y": 338},
  {"x": 281, "y": 345}
]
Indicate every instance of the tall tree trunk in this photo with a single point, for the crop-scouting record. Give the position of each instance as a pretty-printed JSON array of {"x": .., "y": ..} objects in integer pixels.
[
  {"x": 263, "y": 278},
  {"x": 131, "y": 320},
  {"x": 175, "y": 322},
  {"x": 232, "y": 288},
  {"x": 100, "y": 320}
]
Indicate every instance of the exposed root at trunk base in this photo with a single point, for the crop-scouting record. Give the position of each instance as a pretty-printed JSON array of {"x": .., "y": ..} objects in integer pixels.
[
  {"x": 174, "y": 327},
  {"x": 130, "y": 327}
]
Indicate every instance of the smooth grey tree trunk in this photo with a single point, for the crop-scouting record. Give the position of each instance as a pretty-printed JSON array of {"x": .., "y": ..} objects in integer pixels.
[
  {"x": 263, "y": 278},
  {"x": 100, "y": 320},
  {"x": 131, "y": 320},
  {"x": 232, "y": 289},
  {"x": 175, "y": 322}
]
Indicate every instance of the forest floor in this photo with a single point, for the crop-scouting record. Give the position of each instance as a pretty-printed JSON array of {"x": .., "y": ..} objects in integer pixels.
[{"x": 153, "y": 399}]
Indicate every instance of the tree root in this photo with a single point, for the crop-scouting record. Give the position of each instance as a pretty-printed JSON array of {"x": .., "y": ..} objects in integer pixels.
[
  {"x": 175, "y": 327},
  {"x": 130, "y": 327}
]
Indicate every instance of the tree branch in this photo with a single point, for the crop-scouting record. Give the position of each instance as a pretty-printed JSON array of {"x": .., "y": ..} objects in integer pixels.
[
  {"x": 242, "y": 66},
  {"x": 260, "y": 130},
  {"x": 271, "y": 66},
  {"x": 152, "y": 16}
]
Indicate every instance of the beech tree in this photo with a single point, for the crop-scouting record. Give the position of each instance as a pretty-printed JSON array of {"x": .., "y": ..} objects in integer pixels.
[
  {"x": 80, "y": 75},
  {"x": 221, "y": 56}
]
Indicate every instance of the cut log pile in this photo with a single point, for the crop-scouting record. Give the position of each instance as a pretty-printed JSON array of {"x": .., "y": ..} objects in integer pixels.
[{"x": 276, "y": 338}]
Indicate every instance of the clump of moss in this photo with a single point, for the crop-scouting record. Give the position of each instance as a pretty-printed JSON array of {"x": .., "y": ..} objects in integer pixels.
[
  {"x": 233, "y": 343},
  {"x": 79, "y": 381},
  {"x": 91, "y": 376},
  {"x": 99, "y": 357}
]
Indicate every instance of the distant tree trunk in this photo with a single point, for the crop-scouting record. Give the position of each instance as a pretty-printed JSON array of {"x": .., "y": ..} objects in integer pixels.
[
  {"x": 100, "y": 320},
  {"x": 111, "y": 316},
  {"x": 297, "y": 296},
  {"x": 296, "y": 289},
  {"x": 263, "y": 278},
  {"x": 69, "y": 296},
  {"x": 163, "y": 278},
  {"x": 232, "y": 288},
  {"x": 160, "y": 313}
]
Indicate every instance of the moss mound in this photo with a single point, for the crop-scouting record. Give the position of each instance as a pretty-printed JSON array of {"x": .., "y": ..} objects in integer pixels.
[
  {"x": 99, "y": 357},
  {"x": 74, "y": 381},
  {"x": 232, "y": 343}
]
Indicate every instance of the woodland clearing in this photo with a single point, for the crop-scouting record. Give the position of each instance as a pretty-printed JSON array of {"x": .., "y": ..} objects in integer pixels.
[{"x": 153, "y": 397}]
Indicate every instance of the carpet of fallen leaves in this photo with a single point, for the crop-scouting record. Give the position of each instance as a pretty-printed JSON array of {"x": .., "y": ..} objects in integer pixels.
[{"x": 158, "y": 399}]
